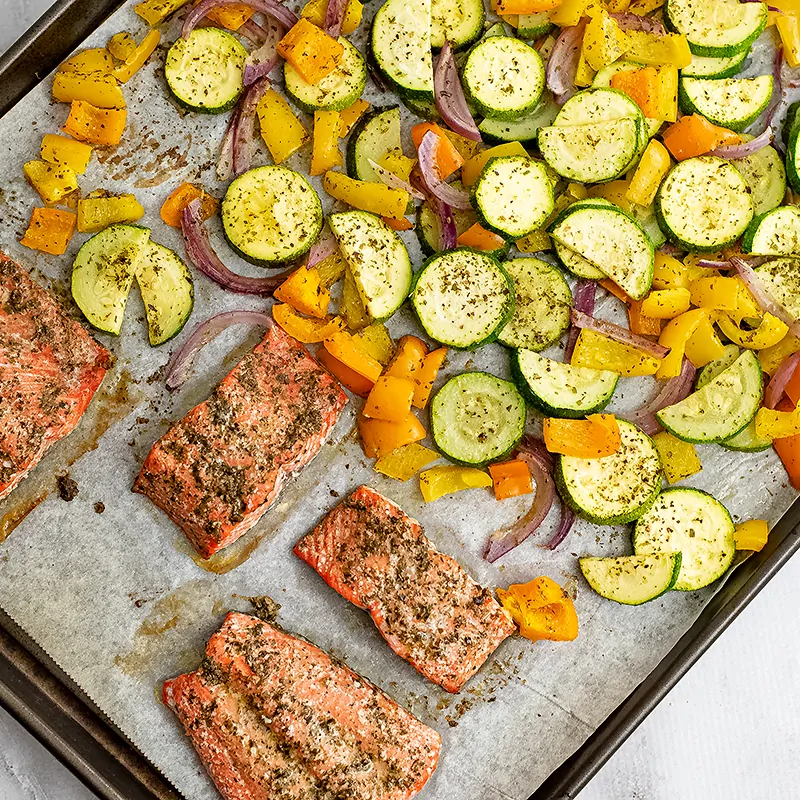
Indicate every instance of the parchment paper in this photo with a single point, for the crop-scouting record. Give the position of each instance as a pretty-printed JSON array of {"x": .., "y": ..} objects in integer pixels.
[{"x": 119, "y": 602}]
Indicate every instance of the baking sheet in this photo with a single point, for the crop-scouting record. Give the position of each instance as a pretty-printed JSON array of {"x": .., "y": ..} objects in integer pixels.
[{"x": 118, "y": 600}]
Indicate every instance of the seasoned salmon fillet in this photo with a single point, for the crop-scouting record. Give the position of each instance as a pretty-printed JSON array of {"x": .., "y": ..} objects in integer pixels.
[
  {"x": 50, "y": 368},
  {"x": 220, "y": 468},
  {"x": 273, "y": 716},
  {"x": 423, "y": 602}
]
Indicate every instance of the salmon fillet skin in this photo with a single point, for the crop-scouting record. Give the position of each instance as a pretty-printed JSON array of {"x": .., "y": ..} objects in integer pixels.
[
  {"x": 216, "y": 471},
  {"x": 423, "y": 602},
  {"x": 50, "y": 368},
  {"x": 273, "y": 717}
]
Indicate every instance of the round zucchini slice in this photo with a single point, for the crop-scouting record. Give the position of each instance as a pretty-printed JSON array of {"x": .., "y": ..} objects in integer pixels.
[
  {"x": 463, "y": 298},
  {"x": 271, "y": 215},
  {"x": 525, "y": 129},
  {"x": 721, "y": 28},
  {"x": 765, "y": 174},
  {"x": 205, "y": 71},
  {"x": 732, "y": 103},
  {"x": 776, "y": 233},
  {"x": 694, "y": 524},
  {"x": 632, "y": 580},
  {"x": 372, "y": 137},
  {"x": 459, "y": 22},
  {"x": 781, "y": 280},
  {"x": 477, "y": 418},
  {"x": 613, "y": 489}
]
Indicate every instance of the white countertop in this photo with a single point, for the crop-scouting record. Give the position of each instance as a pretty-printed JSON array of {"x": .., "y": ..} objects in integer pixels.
[{"x": 731, "y": 729}]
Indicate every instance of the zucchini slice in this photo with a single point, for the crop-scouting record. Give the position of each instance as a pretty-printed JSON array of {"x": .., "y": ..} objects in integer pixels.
[
  {"x": 534, "y": 25},
  {"x": 613, "y": 489},
  {"x": 503, "y": 77},
  {"x": 205, "y": 71},
  {"x": 513, "y": 196},
  {"x": 720, "y": 28},
  {"x": 477, "y": 418},
  {"x": 602, "y": 104},
  {"x": 781, "y": 280},
  {"x": 722, "y": 408},
  {"x": 732, "y": 103},
  {"x": 463, "y": 298},
  {"x": 460, "y": 22},
  {"x": 632, "y": 580},
  {"x": 694, "y": 524},
  {"x": 542, "y": 303},
  {"x": 561, "y": 390},
  {"x": 429, "y": 229},
  {"x": 765, "y": 175},
  {"x": 167, "y": 291},
  {"x": 525, "y": 129},
  {"x": 376, "y": 133},
  {"x": 577, "y": 264},
  {"x": 776, "y": 233},
  {"x": 336, "y": 91},
  {"x": 605, "y": 235},
  {"x": 710, "y": 67},
  {"x": 704, "y": 204},
  {"x": 377, "y": 258},
  {"x": 400, "y": 42},
  {"x": 103, "y": 271},
  {"x": 271, "y": 215}
]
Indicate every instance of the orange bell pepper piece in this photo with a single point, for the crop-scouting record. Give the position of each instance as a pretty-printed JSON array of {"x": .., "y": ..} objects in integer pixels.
[
  {"x": 426, "y": 375},
  {"x": 379, "y": 437},
  {"x": 447, "y": 159},
  {"x": 231, "y": 17},
  {"x": 792, "y": 389},
  {"x": 303, "y": 290},
  {"x": 593, "y": 437},
  {"x": 390, "y": 399},
  {"x": 524, "y": 6},
  {"x": 478, "y": 237},
  {"x": 350, "y": 115},
  {"x": 408, "y": 358},
  {"x": 101, "y": 126},
  {"x": 403, "y": 224},
  {"x": 311, "y": 51},
  {"x": 180, "y": 198},
  {"x": 542, "y": 609},
  {"x": 612, "y": 288},
  {"x": 350, "y": 352},
  {"x": 49, "y": 230},
  {"x": 349, "y": 378},
  {"x": 788, "y": 449},
  {"x": 641, "y": 85},
  {"x": 693, "y": 135},
  {"x": 511, "y": 479},
  {"x": 308, "y": 331},
  {"x": 639, "y": 323}
]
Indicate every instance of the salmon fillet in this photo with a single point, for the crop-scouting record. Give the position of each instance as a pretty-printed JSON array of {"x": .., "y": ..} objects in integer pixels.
[
  {"x": 50, "y": 368},
  {"x": 220, "y": 468},
  {"x": 423, "y": 602},
  {"x": 273, "y": 716}
]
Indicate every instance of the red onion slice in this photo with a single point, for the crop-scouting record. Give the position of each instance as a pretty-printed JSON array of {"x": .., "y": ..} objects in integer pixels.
[
  {"x": 265, "y": 58},
  {"x": 454, "y": 197},
  {"x": 762, "y": 296},
  {"x": 584, "y": 299},
  {"x": 732, "y": 151},
  {"x": 628, "y": 21},
  {"x": 275, "y": 10},
  {"x": 449, "y": 96},
  {"x": 244, "y": 135},
  {"x": 225, "y": 160},
  {"x": 202, "y": 255},
  {"x": 532, "y": 451},
  {"x": 251, "y": 30},
  {"x": 448, "y": 233},
  {"x": 563, "y": 62},
  {"x": 618, "y": 334},
  {"x": 674, "y": 389},
  {"x": 564, "y": 527},
  {"x": 324, "y": 246},
  {"x": 334, "y": 17},
  {"x": 180, "y": 365},
  {"x": 782, "y": 376},
  {"x": 393, "y": 181},
  {"x": 669, "y": 249}
]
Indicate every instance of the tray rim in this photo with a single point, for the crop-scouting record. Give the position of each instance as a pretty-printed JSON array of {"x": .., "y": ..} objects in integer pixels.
[{"x": 78, "y": 736}]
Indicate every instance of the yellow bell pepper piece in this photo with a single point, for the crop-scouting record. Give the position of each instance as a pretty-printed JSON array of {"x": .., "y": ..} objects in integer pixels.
[
  {"x": 704, "y": 346},
  {"x": 98, "y": 59},
  {"x": 751, "y": 535},
  {"x": 368, "y": 196},
  {"x": 618, "y": 6},
  {"x": 584, "y": 74},
  {"x": 376, "y": 341},
  {"x": 666, "y": 303},
  {"x": 542, "y": 609},
  {"x": 675, "y": 335},
  {"x": 772, "y": 424},
  {"x": 96, "y": 213},
  {"x": 65, "y": 152},
  {"x": 466, "y": 148},
  {"x": 352, "y": 308},
  {"x": 102, "y": 91},
  {"x": 571, "y": 11},
  {"x": 534, "y": 242},
  {"x": 772, "y": 357},
  {"x": 316, "y": 10},
  {"x": 121, "y": 46},
  {"x": 597, "y": 351},
  {"x": 282, "y": 132},
  {"x": 716, "y": 293},
  {"x": 397, "y": 163},
  {"x": 473, "y": 167},
  {"x": 747, "y": 307},
  {"x": 136, "y": 60},
  {"x": 602, "y": 40},
  {"x": 789, "y": 30},
  {"x": 669, "y": 273},
  {"x": 325, "y": 151},
  {"x": 439, "y": 481},
  {"x": 303, "y": 291},
  {"x": 52, "y": 182},
  {"x": 350, "y": 115},
  {"x": 405, "y": 462},
  {"x": 652, "y": 168},
  {"x": 679, "y": 459},
  {"x": 155, "y": 11},
  {"x": 331, "y": 269},
  {"x": 657, "y": 49},
  {"x": 308, "y": 331},
  {"x": 768, "y": 333}
]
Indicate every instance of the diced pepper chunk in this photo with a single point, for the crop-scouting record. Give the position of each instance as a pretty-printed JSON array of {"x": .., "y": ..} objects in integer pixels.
[
  {"x": 281, "y": 130},
  {"x": 751, "y": 535},
  {"x": 466, "y": 147},
  {"x": 53, "y": 182},
  {"x": 775, "y": 424},
  {"x": 788, "y": 448},
  {"x": 674, "y": 336},
  {"x": 374, "y": 197},
  {"x": 511, "y": 479},
  {"x": 771, "y": 358},
  {"x": 397, "y": 163},
  {"x": 704, "y": 346},
  {"x": 96, "y": 213},
  {"x": 693, "y": 135},
  {"x": 97, "y": 59},
  {"x": 349, "y": 378},
  {"x": 597, "y": 351},
  {"x": 408, "y": 358},
  {"x": 232, "y": 16},
  {"x": 603, "y": 41},
  {"x": 376, "y": 341},
  {"x": 542, "y": 609},
  {"x": 181, "y": 197},
  {"x": 426, "y": 375},
  {"x": 666, "y": 303},
  {"x": 96, "y": 88},
  {"x": 653, "y": 89},
  {"x": 652, "y": 168},
  {"x": 769, "y": 332},
  {"x": 325, "y": 152},
  {"x": 594, "y": 437},
  {"x": 640, "y": 323},
  {"x": 446, "y": 158},
  {"x": 479, "y": 238},
  {"x": 669, "y": 273},
  {"x": 155, "y": 11},
  {"x": 584, "y": 74},
  {"x": 679, "y": 459},
  {"x": 378, "y": 437},
  {"x": 389, "y": 399},
  {"x": 100, "y": 126},
  {"x": 657, "y": 48},
  {"x": 352, "y": 114},
  {"x": 65, "y": 152},
  {"x": 138, "y": 58},
  {"x": 49, "y": 230},
  {"x": 405, "y": 462},
  {"x": 504, "y": 7},
  {"x": 350, "y": 352},
  {"x": 308, "y": 331},
  {"x": 303, "y": 291},
  {"x": 121, "y": 45},
  {"x": 718, "y": 293},
  {"x": 570, "y": 12},
  {"x": 352, "y": 308},
  {"x": 316, "y": 11},
  {"x": 311, "y": 51},
  {"x": 439, "y": 481},
  {"x": 474, "y": 167},
  {"x": 403, "y": 224},
  {"x": 788, "y": 27},
  {"x": 331, "y": 269}
]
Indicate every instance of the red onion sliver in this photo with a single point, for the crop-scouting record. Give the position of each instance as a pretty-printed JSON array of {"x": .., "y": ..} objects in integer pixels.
[
  {"x": 674, "y": 389},
  {"x": 782, "y": 376},
  {"x": 334, "y": 17},
  {"x": 540, "y": 463},
  {"x": 448, "y": 233},
  {"x": 618, "y": 333},
  {"x": 762, "y": 296},
  {"x": 225, "y": 161},
  {"x": 251, "y": 30},
  {"x": 265, "y": 58},
  {"x": 628, "y": 21},
  {"x": 564, "y": 527},
  {"x": 324, "y": 246},
  {"x": 244, "y": 136},
  {"x": 454, "y": 197},
  {"x": 563, "y": 62},
  {"x": 449, "y": 96},
  {"x": 181, "y": 362},
  {"x": 202, "y": 255},
  {"x": 669, "y": 249},
  {"x": 282, "y": 14},
  {"x": 393, "y": 181},
  {"x": 744, "y": 149},
  {"x": 584, "y": 298}
]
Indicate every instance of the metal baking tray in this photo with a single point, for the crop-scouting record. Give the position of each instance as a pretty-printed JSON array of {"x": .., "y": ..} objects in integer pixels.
[{"x": 44, "y": 700}]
